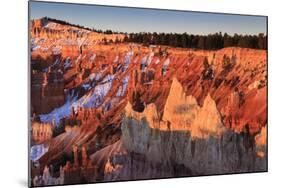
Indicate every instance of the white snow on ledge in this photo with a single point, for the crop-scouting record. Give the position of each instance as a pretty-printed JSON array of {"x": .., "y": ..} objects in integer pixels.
[
  {"x": 91, "y": 100},
  {"x": 58, "y": 113},
  {"x": 57, "y": 50},
  {"x": 37, "y": 151}
]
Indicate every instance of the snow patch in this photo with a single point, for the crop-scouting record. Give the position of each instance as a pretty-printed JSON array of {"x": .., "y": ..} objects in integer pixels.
[
  {"x": 58, "y": 113},
  {"x": 166, "y": 63},
  {"x": 122, "y": 89},
  {"x": 37, "y": 151},
  {"x": 87, "y": 86},
  {"x": 116, "y": 59},
  {"x": 157, "y": 61},
  {"x": 93, "y": 57},
  {"x": 57, "y": 50},
  {"x": 128, "y": 57},
  {"x": 51, "y": 25},
  {"x": 35, "y": 47},
  {"x": 67, "y": 63},
  {"x": 143, "y": 63},
  {"x": 95, "y": 77},
  {"x": 151, "y": 55},
  {"x": 165, "y": 66},
  {"x": 95, "y": 97},
  {"x": 56, "y": 62}
]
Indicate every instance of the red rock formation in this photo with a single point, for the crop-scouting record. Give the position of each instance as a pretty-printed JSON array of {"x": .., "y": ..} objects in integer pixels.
[
  {"x": 41, "y": 132},
  {"x": 47, "y": 92},
  {"x": 182, "y": 107}
]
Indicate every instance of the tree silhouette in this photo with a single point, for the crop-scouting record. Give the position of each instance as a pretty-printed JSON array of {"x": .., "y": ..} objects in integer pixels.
[{"x": 209, "y": 42}]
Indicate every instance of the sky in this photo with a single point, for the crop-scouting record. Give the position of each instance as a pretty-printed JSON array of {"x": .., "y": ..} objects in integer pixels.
[{"x": 129, "y": 20}]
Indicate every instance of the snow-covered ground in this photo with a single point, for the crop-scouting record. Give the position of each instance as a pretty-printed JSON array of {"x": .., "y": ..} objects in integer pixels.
[
  {"x": 96, "y": 89},
  {"x": 122, "y": 89},
  {"x": 91, "y": 100},
  {"x": 165, "y": 65},
  {"x": 58, "y": 113},
  {"x": 67, "y": 63},
  {"x": 93, "y": 57},
  {"x": 95, "y": 97},
  {"x": 57, "y": 50},
  {"x": 37, "y": 151},
  {"x": 128, "y": 57},
  {"x": 143, "y": 63},
  {"x": 150, "y": 57}
]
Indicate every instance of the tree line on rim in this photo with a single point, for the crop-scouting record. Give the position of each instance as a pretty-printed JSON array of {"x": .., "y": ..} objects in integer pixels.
[{"x": 207, "y": 42}]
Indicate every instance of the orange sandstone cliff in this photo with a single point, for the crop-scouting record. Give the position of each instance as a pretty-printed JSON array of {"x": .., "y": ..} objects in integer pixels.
[{"x": 121, "y": 111}]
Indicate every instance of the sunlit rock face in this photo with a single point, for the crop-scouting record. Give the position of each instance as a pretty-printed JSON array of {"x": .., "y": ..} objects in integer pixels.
[
  {"x": 41, "y": 132},
  {"x": 133, "y": 113},
  {"x": 205, "y": 146},
  {"x": 150, "y": 147}
]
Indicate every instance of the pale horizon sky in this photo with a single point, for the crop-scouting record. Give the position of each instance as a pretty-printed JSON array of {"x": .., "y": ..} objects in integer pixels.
[{"x": 129, "y": 20}]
